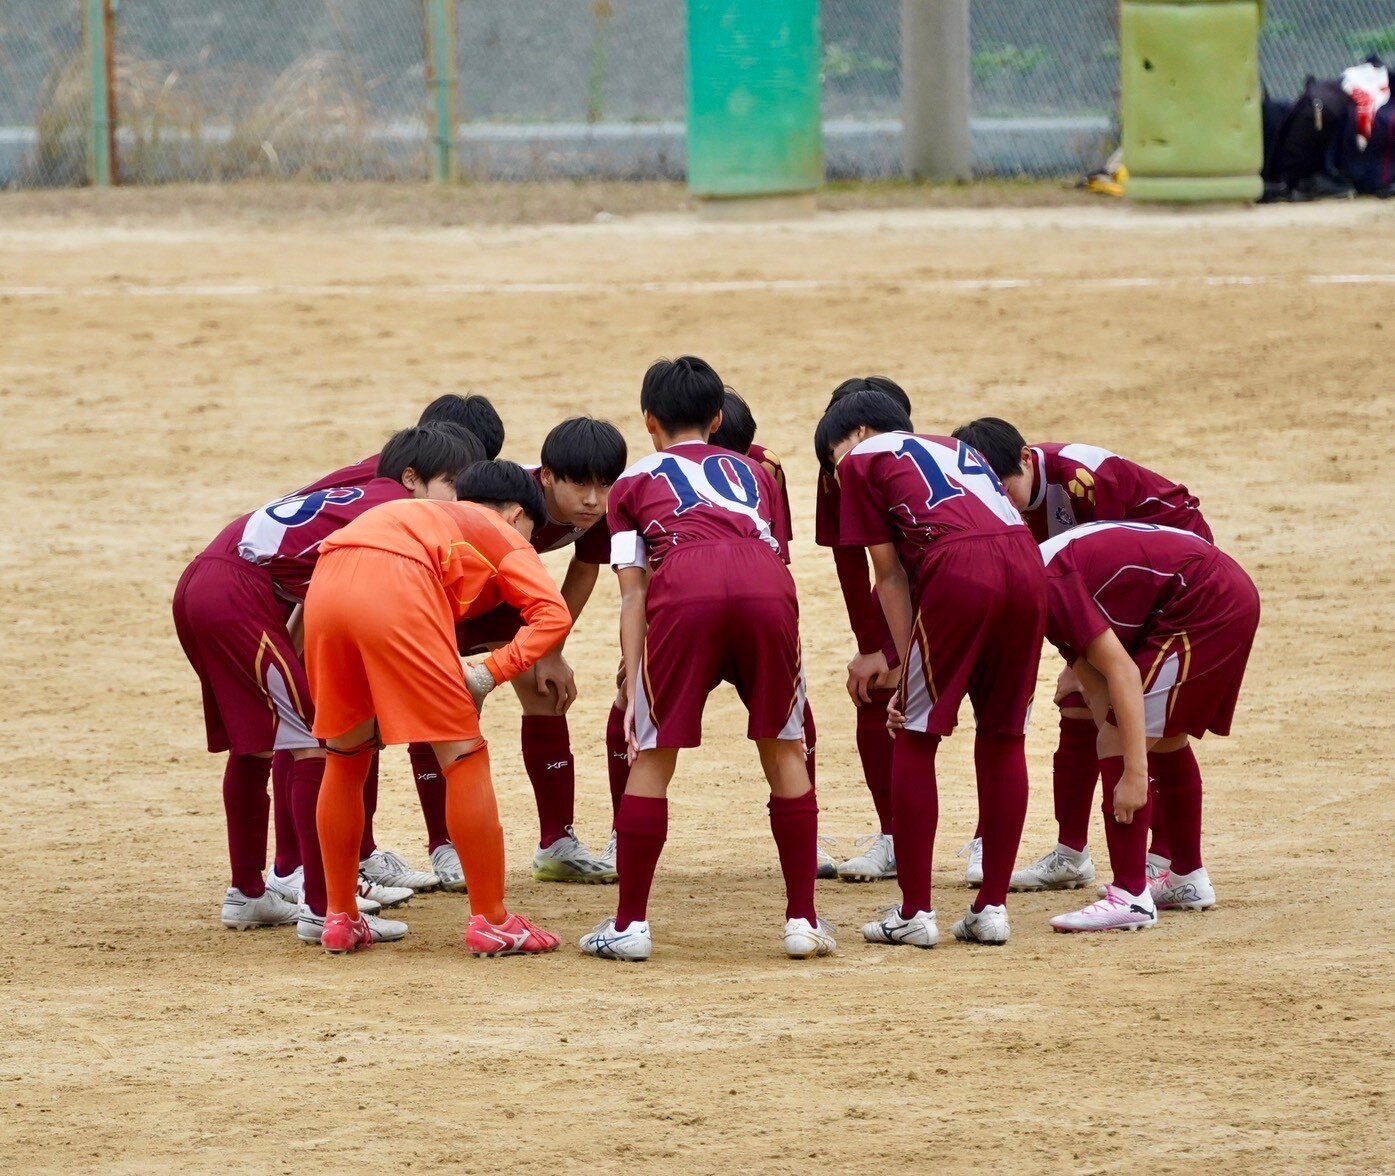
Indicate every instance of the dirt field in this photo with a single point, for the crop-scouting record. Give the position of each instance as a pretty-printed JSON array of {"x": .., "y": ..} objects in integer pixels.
[{"x": 161, "y": 373}]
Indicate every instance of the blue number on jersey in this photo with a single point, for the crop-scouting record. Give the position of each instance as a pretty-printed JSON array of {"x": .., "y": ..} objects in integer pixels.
[
  {"x": 971, "y": 462},
  {"x": 718, "y": 477},
  {"x": 672, "y": 473},
  {"x": 296, "y": 512},
  {"x": 940, "y": 487}
]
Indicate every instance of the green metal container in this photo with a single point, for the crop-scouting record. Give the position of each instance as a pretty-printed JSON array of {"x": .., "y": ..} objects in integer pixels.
[
  {"x": 1191, "y": 99},
  {"x": 754, "y": 118}
]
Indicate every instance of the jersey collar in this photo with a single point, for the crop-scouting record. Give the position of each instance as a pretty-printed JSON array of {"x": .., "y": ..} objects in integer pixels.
[{"x": 1039, "y": 479}]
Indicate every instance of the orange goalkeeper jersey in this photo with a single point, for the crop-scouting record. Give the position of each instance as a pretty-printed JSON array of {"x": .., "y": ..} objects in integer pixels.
[{"x": 482, "y": 562}]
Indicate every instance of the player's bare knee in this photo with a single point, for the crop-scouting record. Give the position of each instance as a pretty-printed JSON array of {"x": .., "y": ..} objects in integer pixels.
[
  {"x": 1076, "y": 712},
  {"x": 1171, "y": 743},
  {"x": 457, "y": 749}
]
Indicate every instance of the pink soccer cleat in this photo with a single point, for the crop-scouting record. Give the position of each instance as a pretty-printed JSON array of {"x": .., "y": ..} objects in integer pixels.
[
  {"x": 514, "y": 936},
  {"x": 1116, "y": 911},
  {"x": 342, "y": 934}
]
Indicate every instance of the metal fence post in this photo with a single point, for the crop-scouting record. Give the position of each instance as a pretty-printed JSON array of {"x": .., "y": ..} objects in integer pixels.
[
  {"x": 935, "y": 90},
  {"x": 101, "y": 124},
  {"x": 442, "y": 83}
]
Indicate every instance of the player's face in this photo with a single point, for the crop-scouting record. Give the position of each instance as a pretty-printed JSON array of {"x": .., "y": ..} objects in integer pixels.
[
  {"x": 846, "y": 445},
  {"x": 582, "y": 504},
  {"x": 1018, "y": 488},
  {"x": 440, "y": 489}
]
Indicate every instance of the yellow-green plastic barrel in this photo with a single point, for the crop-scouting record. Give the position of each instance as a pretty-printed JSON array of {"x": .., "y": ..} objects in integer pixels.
[
  {"x": 754, "y": 118},
  {"x": 1190, "y": 99}
]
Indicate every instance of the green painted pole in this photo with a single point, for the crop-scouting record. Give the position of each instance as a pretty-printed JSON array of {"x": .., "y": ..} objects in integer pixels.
[
  {"x": 442, "y": 80},
  {"x": 101, "y": 128}
]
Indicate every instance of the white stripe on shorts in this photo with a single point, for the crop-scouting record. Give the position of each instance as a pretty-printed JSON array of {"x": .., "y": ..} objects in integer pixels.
[
  {"x": 291, "y": 732},
  {"x": 1155, "y": 701},
  {"x": 646, "y": 730},
  {"x": 917, "y": 694},
  {"x": 794, "y": 725}
]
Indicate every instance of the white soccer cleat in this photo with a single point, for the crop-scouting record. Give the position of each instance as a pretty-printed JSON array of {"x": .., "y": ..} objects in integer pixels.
[
  {"x": 1158, "y": 871},
  {"x": 989, "y": 925},
  {"x": 268, "y": 909},
  {"x": 288, "y": 887},
  {"x": 387, "y": 867},
  {"x": 634, "y": 944},
  {"x": 920, "y": 930},
  {"x": 828, "y": 864},
  {"x": 381, "y": 896},
  {"x": 445, "y": 862},
  {"x": 1116, "y": 911},
  {"x": 611, "y": 849},
  {"x": 805, "y": 940},
  {"x": 973, "y": 872},
  {"x": 310, "y": 926},
  {"x": 1062, "y": 868},
  {"x": 568, "y": 860},
  {"x": 875, "y": 862},
  {"x": 1184, "y": 892}
]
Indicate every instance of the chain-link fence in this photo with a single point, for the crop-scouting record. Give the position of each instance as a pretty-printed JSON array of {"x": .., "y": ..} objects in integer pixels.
[{"x": 337, "y": 89}]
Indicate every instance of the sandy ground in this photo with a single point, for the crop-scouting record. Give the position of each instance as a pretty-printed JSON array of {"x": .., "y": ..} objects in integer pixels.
[{"x": 161, "y": 372}]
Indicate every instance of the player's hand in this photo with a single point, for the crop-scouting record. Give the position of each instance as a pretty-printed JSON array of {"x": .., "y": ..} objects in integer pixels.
[
  {"x": 552, "y": 673},
  {"x": 1066, "y": 684},
  {"x": 479, "y": 681},
  {"x": 895, "y": 720},
  {"x": 1130, "y": 795},
  {"x": 631, "y": 739},
  {"x": 866, "y": 672}
]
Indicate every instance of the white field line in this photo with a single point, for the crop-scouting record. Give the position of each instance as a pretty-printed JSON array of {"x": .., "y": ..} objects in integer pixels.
[{"x": 741, "y": 286}]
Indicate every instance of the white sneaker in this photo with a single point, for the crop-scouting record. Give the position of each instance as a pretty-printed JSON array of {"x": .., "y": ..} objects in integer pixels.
[
  {"x": 920, "y": 930},
  {"x": 310, "y": 926},
  {"x": 1062, "y": 868},
  {"x": 1158, "y": 871},
  {"x": 445, "y": 863},
  {"x": 288, "y": 887},
  {"x": 1184, "y": 892},
  {"x": 973, "y": 872},
  {"x": 386, "y": 867},
  {"x": 875, "y": 863},
  {"x": 634, "y": 944},
  {"x": 366, "y": 906},
  {"x": 828, "y": 864},
  {"x": 804, "y": 940},
  {"x": 1116, "y": 911},
  {"x": 268, "y": 909},
  {"x": 568, "y": 860},
  {"x": 610, "y": 851},
  {"x": 380, "y": 895},
  {"x": 989, "y": 925}
]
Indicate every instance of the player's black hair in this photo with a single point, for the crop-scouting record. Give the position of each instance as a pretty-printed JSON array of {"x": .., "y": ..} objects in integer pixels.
[
  {"x": 999, "y": 442},
  {"x": 433, "y": 451},
  {"x": 501, "y": 483},
  {"x": 738, "y": 429},
  {"x": 876, "y": 410},
  {"x": 682, "y": 393},
  {"x": 872, "y": 384},
  {"x": 470, "y": 412},
  {"x": 583, "y": 449}
]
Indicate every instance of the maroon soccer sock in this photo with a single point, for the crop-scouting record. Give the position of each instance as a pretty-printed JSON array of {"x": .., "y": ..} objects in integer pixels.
[
  {"x": 1178, "y": 777},
  {"x": 641, "y": 828},
  {"x": 547, "y": 758},
  {"x": 370, "y": 807},
  {"x": 247, "y": 808},
  {"x": 916, "y": 810},
  {"x": 1160, "y": 828},
  {"x": 1128, "y": 844},
  {"x": 810, "y": 739},
  {"x": 1000, "y": 763},
  {"x": 794, "y": 821},
  {"x": 1074, "y": 769},
  {"x": 874, "y": 749},
  {"x": 306, "y": 776},
  {"x": 431, "y": 791},
  {"x": 287, "y": 845},
  {"x": 617, "y": 759}
]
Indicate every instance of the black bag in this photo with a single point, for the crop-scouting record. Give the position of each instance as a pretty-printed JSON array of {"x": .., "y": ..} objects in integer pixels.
[{"x": 1300, "y": 156}]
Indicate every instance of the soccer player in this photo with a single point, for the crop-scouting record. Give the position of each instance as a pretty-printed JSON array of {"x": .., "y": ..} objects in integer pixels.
[
  {"x": 1158, "y": 625},
  {"x": 1057, "y": 487},
  {"x": 381, "y": 652},
  {"x": 963, "y": 590},
  {"x": 477, "y": 415},
  {"x": 872, "y": 673},
  {"x": 705, "y": 597},
  {"x": 581, "y": 458},
  {"x": 231, "y": 609}
]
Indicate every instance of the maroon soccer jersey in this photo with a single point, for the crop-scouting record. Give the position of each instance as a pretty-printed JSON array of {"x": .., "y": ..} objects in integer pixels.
[
  {"x": 693, "y": 493},
  {"x": 1073, "y": 484},
  {"x": 827, "y": 508},
  {"x": 592, "y": 543},
  {"x": 918, "y": 491},
  {"x": 784, "y": 526},
  {"x": 358, "y": 474},
  {"x": 284, "y": 537}
]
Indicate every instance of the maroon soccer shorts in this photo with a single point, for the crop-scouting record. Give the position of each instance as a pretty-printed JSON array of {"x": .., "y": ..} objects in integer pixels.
[
  {"x": 233, "y": 629},
  {"x": 979, "y": 624},
  {"x": 720, "y": 612},
  {"x": 489, "y": 630},
  {"x": 1192, "y": 656}
]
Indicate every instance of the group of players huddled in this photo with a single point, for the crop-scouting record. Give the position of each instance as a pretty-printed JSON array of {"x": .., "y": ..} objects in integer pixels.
[{"x": 382, "y": 604}]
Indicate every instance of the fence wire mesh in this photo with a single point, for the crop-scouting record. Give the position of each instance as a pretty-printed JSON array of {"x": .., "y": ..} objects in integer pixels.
[{"x": 336, "y": 89}]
